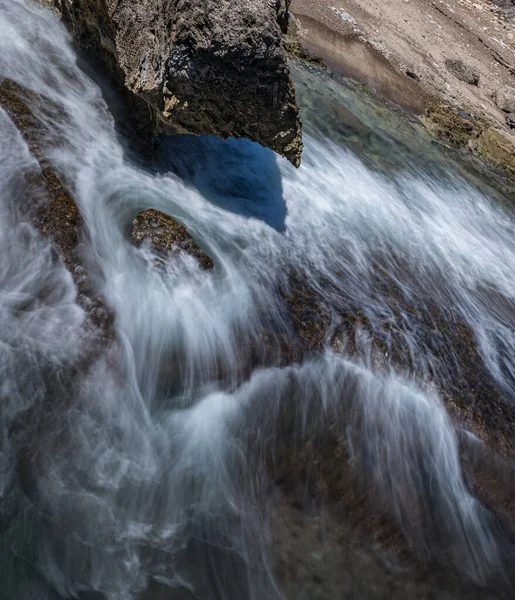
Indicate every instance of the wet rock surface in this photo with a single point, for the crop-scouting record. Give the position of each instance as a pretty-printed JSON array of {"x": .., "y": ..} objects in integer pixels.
[
  {"x": 455, "y": 126},
  {"x": 498, "y": 147},
  {"x": 215, "y": 67},
  {"x": 297, "y": 50},
  {"x": 469, "y": 393},
  {"x": 322, "y": 556},
  {"x": 166, "y": 237},
  {"x": 50, "y": 206}
]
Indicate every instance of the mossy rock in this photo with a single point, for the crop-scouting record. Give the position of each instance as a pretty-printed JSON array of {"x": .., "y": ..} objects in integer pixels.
[
  {"x": 497, "y": 147},
  {"x": 455, "y": 126},
  {"x": 166, "y": 236},
  {"x": 297, "y": 50},
  {"x": 58, "y": 216}
]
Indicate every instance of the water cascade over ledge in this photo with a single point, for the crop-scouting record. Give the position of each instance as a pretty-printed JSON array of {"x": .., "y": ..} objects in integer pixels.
[{"x": 351, "y": 306}]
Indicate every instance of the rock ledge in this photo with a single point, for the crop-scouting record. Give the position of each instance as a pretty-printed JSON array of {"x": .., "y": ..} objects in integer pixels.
[{"x": 215, "y": 67}]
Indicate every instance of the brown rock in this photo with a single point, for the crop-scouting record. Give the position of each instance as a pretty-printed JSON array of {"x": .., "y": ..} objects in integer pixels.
[
  {"x": 166, "y": 237},
  {"x": 498, "y": 147},
  {"x": 451, "y": 124},
  {"x": 50, "y": 206}
]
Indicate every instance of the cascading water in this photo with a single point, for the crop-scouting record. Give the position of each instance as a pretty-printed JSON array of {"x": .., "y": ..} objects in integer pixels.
[{"x": 148, "y": 467}]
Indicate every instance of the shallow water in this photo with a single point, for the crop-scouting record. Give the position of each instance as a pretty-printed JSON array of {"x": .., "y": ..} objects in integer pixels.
[{"x": 150, "y": 465}]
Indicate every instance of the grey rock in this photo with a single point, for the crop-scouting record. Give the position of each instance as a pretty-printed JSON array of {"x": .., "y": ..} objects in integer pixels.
[
  {"x": 510, "y": 120},
  {"x": 462, "y": 71},
  {"x": 215, "y": 67},
  {"x": 505, "y": 99},
  {"x": 504, "y": 3}
]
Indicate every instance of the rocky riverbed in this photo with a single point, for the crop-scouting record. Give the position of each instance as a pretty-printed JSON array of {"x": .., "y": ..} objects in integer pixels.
[{"x": 308, "y": 405}]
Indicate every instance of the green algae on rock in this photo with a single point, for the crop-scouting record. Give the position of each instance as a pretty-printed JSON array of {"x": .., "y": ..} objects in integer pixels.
[
  {"x": 297, "y": 50},
  {"x": 454, "y": 126},
  {"x": 166, "y": 236},
  {"x": 458, "y": 128}
]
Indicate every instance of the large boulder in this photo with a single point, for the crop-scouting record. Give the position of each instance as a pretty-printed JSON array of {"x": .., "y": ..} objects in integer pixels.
[{"x": 211, "y": 67}]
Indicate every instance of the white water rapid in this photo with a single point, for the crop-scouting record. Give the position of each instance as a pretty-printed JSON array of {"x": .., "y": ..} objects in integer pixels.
[{"x": 149, "y": 466}]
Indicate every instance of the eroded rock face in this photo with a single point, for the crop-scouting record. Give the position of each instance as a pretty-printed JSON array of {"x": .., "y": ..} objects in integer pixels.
[
  {"x": 211, "y": 67},
  {"x": 166, "y": 237}
]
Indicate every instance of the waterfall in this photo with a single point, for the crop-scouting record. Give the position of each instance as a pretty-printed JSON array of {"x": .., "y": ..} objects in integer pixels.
[{"x": 150, "y": 465}]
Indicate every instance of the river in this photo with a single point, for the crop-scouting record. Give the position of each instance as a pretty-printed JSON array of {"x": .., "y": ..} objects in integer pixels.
[{"x": 151, "y": 466}]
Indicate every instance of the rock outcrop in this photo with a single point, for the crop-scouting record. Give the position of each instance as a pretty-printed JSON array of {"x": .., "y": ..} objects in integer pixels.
[
  {"x": 505, "y": 99},
  {"x": 166, "y": 237},
  {"x": 215, "y": 67},
  {"x": 50, "y": 206}
]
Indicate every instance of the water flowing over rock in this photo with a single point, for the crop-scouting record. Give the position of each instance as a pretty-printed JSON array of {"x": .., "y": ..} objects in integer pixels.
[
  {"x": 212, "y": 67},
  {"x": 166, "y": 237},
  {"x": 48, "y": 204},
  {"x": 326, "y": 415}
]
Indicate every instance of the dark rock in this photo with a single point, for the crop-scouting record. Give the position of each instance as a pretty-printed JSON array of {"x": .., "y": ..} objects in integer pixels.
[
  {"x": 510, "y": 120},
  {"x": 211, "y": 67},
  {"x": 413, "y": 75},
  {"x": 462, "y": 71},
  {"x": 468, "y": 390},
  {"x": 323, "y": 556},
  {"x": 166, "y": 237},
  {"x": 309, "y": 318},
  {"x": 283, "y": 14}
]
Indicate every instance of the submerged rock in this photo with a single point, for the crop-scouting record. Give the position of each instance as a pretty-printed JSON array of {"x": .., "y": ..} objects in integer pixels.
[
  {"x": 49, "y": 204},
  {"x": 211, "y": 67},
  {"x": 166, "y": 237}
]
